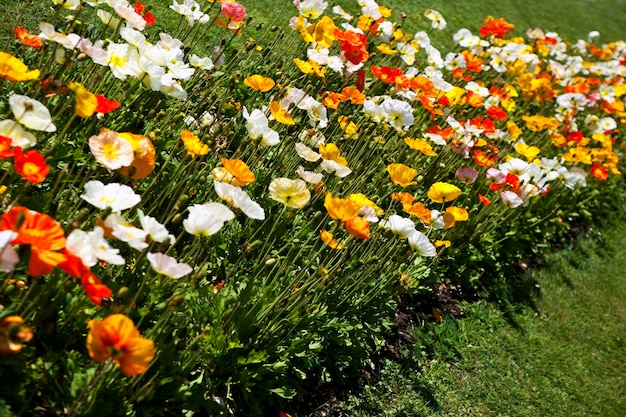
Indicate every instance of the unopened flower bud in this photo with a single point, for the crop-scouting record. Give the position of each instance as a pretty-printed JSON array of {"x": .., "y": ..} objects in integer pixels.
[{"x": 270, "y": 261}]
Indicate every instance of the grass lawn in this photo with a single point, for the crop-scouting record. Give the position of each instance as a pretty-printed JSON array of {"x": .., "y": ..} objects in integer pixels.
[{"x": 565, "y": 357}]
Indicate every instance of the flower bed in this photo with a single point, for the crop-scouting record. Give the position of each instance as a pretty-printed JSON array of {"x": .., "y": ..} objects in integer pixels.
[{"x": 184, "y": 232}]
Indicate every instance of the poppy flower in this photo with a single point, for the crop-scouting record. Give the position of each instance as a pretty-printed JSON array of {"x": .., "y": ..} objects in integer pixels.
[
  {"x": 5, "y": 147},
  {"x": 13, "y": 69},
  {"x": 292, "y": 193},
  {"x": 329, "y": 241},
  {"x": 259, "y": 83},
  {"x": 484, "y": 200},
  {"x": 30, "y": 165},
  {"x": 147, "y": 16},
  {"x": 401, "y": 174},
  {"x": 26, "y": 38},
  {"x": 240, "y": 170},
  {"x": 86, "y": 102},
  {"x": 193, "y": 144},
  {"x": 280, "y": 114},
  {"x": 117, "y": 337},
  {"x": 330, "y": 152},
  {"x": 599, "y": 172},
  {"x": 207, "y": 219},
  {"x": 443, "y": 192},
  {"x": 341, "y": 208},
  {"x": 353, "y": 45},
  {"x": 30, "y": 113},
  {"x": 144, "y": 155},
  {"x": 358, "y": 227},
  {"x": 168, "y": 266},
  {"x": 105, "y": 105},
  {"x": 44, "y": 235}
]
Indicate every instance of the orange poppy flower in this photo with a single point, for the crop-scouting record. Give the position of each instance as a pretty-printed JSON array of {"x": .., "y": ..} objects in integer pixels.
[
  {"x": 26, "y": 38},
  {"x": 41, "y": 232},
  {"x": 484, "y": 159},
  {"x": 358, "y": 227},
  {"x": 240, "y": 170},
  {"x": 30, "y": 165},
  {"x": 484, "y": 200},
  {"x": 117, "y": 337},
  {"x": 259, "y": 83},
  {"x": 496, "y": 27},
  {"x": 328, "y": 240},
  {"x": 599, "y": 172},
  {"x": 353, "y": 95},
  {"x": 353, "y": 45}
]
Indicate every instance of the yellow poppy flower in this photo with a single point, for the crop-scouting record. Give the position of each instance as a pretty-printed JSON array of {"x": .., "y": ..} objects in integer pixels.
[
  {"x": 331, "y": 152},
  {"x": 341, "y": 208},
  {"x": 443, "y": 192},
  {"x": 280, "y": 114},
  {"x": 86, "y": 102},
  {"x": 13, "y": 69},
  {"x": 401, "y": 174},
  {"x": 420, "y": 145}
]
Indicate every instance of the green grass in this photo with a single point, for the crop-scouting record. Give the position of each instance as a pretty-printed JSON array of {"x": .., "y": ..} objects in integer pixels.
[
  {"x": 572, "y": 19},
  {"x": 565, "y": 357}
]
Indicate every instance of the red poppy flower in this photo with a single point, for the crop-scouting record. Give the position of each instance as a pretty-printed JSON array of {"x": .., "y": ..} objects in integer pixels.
[
  {"x": 147, "y": 16},
  {"x": 484, "y": 200},
  {"x": 495, "y": 112},
  {"x": 105, "y": 105},
  {"x": 30, "y": 165},
  {"x": 5, "y": 147},
  {"x": 94, "y": 288}
]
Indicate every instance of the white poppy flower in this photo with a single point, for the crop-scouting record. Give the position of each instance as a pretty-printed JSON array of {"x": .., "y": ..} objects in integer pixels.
[
  {"x": 207, "y": 219},
  {"x": 308, "y": 176},
  {"x": 91, "y": 246},
  {"x": 399, "y": 225},
  {"x": 239, "y": 199},
  {"x": 156, "y": 231},
  {"x": 422, "y": 245},
  {"x": 17, "y": 134},
  {"x": 116, "y": 196},
  {"x": 31, "y": 113},
  {"x": 307, "y": 153},
  {"x": 126, "y": 232},
  {"x": 168, "y": 266}
]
